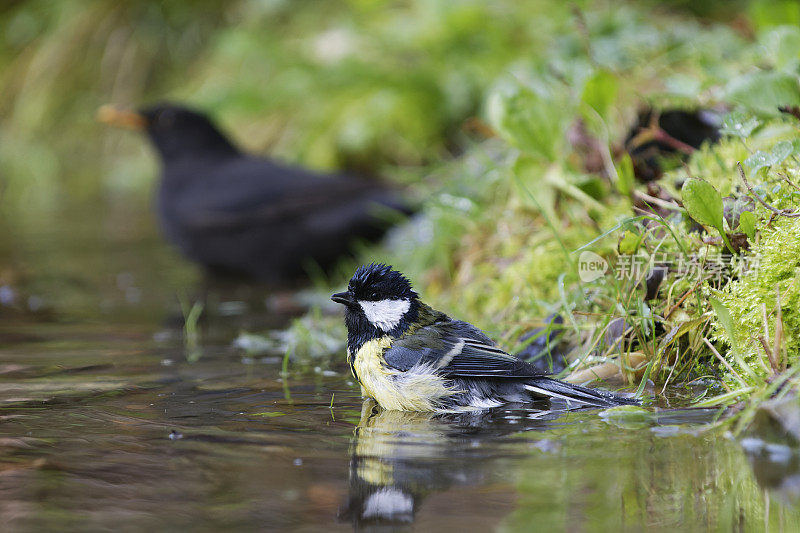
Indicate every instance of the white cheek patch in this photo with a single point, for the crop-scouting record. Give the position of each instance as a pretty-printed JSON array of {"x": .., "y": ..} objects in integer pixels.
[{"x": 385, "y": 314}]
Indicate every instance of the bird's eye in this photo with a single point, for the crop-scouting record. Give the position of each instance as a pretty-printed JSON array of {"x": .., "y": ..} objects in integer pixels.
[
  {"x": 165, "y": 118},
  {"x": 373, "y": 295}
]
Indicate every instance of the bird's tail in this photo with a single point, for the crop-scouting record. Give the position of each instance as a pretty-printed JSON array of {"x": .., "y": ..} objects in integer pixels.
[{"x": 575, "y": 393}]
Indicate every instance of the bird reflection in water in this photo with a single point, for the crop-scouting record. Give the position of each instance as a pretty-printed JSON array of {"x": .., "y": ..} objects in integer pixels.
[
  {"x": 399, "y": 457},
  {"x": 776, "y": 468}
]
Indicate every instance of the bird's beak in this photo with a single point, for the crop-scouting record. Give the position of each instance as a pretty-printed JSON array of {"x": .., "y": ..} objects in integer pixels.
[
  {"x": 344, "y": 298},
  {"x": 121, "y": 118}
]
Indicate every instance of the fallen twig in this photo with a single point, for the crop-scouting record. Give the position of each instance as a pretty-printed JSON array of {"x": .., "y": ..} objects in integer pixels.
[
  {"x": 657, "y": 201},
  {"x": 681, "y": 300},
  {"x": 724, "y": 362},
  {"x": 791, "y": 183},
  {"x": 775, "y": 210}
]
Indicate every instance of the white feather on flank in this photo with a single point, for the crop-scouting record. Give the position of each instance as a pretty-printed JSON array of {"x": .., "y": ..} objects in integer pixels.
[
  {"x": 484, "y": 403},
  {"x": 555, "y": 395},
  {"x": 385, "y": 314}
]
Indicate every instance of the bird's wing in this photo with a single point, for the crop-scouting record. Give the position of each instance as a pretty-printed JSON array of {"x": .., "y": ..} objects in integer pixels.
[
  {"x": 456, "y": 349},
  {"x": 256, "y": 191}
]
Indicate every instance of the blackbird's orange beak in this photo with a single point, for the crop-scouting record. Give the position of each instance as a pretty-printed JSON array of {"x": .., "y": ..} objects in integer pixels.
[{"x": 121, "y": 118}]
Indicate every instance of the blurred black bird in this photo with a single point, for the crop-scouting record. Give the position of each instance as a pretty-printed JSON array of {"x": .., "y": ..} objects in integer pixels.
[{"x": 242, "y": 215}]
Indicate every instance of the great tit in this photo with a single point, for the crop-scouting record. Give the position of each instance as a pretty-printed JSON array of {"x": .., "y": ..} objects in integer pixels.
[
  {"x": 410, "y": 357},
  {"x": 242, "y": 215}
]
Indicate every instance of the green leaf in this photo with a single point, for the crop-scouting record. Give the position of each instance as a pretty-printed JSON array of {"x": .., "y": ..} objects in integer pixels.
[
  {"x": 781, "y": 151},
  {"x": 600, "y": 92},
  {"x": 765, "y": 91},
  {"x": 783, "y": 47},
  {"x": 535, "y": 121},
  {"x": 680, "y": 329},
  {"x": 629, "y": 243},
  {"x": 625, "y": 176},
  {"x": 762, "y": 159},
  {"x": 747, "y": 221},
  {"x": 704, "y": 204},
  {"x": 725, "y": 320},
  {"x": 739, "y": 124},
  {"x": 757, "y": 161}
]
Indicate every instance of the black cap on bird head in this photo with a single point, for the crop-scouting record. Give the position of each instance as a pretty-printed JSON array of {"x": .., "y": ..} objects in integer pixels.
[
  {"x": 376, "y": 282},
  {"x": 379, "y": 300},
  {"x": 178, "y": 131}
]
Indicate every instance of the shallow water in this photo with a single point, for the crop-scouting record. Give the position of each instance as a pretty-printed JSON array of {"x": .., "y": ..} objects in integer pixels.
[{"x": 106, "y": 425}]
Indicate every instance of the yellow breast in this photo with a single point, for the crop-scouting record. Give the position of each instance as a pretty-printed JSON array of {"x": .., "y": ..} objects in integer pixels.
[{"x": 418, "y": 389}]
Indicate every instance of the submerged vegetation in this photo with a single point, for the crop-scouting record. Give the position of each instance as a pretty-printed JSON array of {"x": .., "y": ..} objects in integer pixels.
[{"x": 675, "y": 267}]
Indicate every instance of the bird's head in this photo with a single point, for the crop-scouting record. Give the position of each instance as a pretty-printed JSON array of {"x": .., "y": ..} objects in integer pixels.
[
  {"x": 175, "y": 130},
  {"x": 378, "y": 300}
]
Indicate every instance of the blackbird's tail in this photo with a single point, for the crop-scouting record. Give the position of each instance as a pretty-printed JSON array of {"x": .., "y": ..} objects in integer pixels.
[{"x": 575, "y": 393}]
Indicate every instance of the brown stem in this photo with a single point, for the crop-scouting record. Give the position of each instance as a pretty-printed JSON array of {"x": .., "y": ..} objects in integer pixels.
[
  {"x": 775, "y": 210},
  {"x": 790, "y": 110},
  {"x": 768, "y": 351},
  {"x": 666, "y": 138}
]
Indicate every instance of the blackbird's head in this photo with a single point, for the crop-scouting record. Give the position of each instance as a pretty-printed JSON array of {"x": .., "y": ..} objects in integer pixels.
[
  {"x": 179, "y": 131},
  {"x": 378, "y": 299},
  {"x": 176, "y": 131}
]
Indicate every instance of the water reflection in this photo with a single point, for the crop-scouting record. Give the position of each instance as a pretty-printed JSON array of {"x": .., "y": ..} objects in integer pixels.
[
  {"x": 399, "y": 458},
  {"x": 780, "y": 475},
  {"x": 520, "y": 468}
]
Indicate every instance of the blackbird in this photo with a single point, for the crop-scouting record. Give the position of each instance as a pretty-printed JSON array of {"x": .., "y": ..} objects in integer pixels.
[
  {"x": 657, "y": 134},
  {"x": 242, "y": 215}
]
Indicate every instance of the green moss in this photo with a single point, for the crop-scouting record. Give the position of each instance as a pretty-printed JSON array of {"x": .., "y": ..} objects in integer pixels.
[{"x": 777, "y": 271}]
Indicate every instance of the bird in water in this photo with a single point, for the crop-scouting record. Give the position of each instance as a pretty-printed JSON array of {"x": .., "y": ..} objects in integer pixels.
[
  {"x": 243, "y": 215},
  {"x": 410, "y": 357}
]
